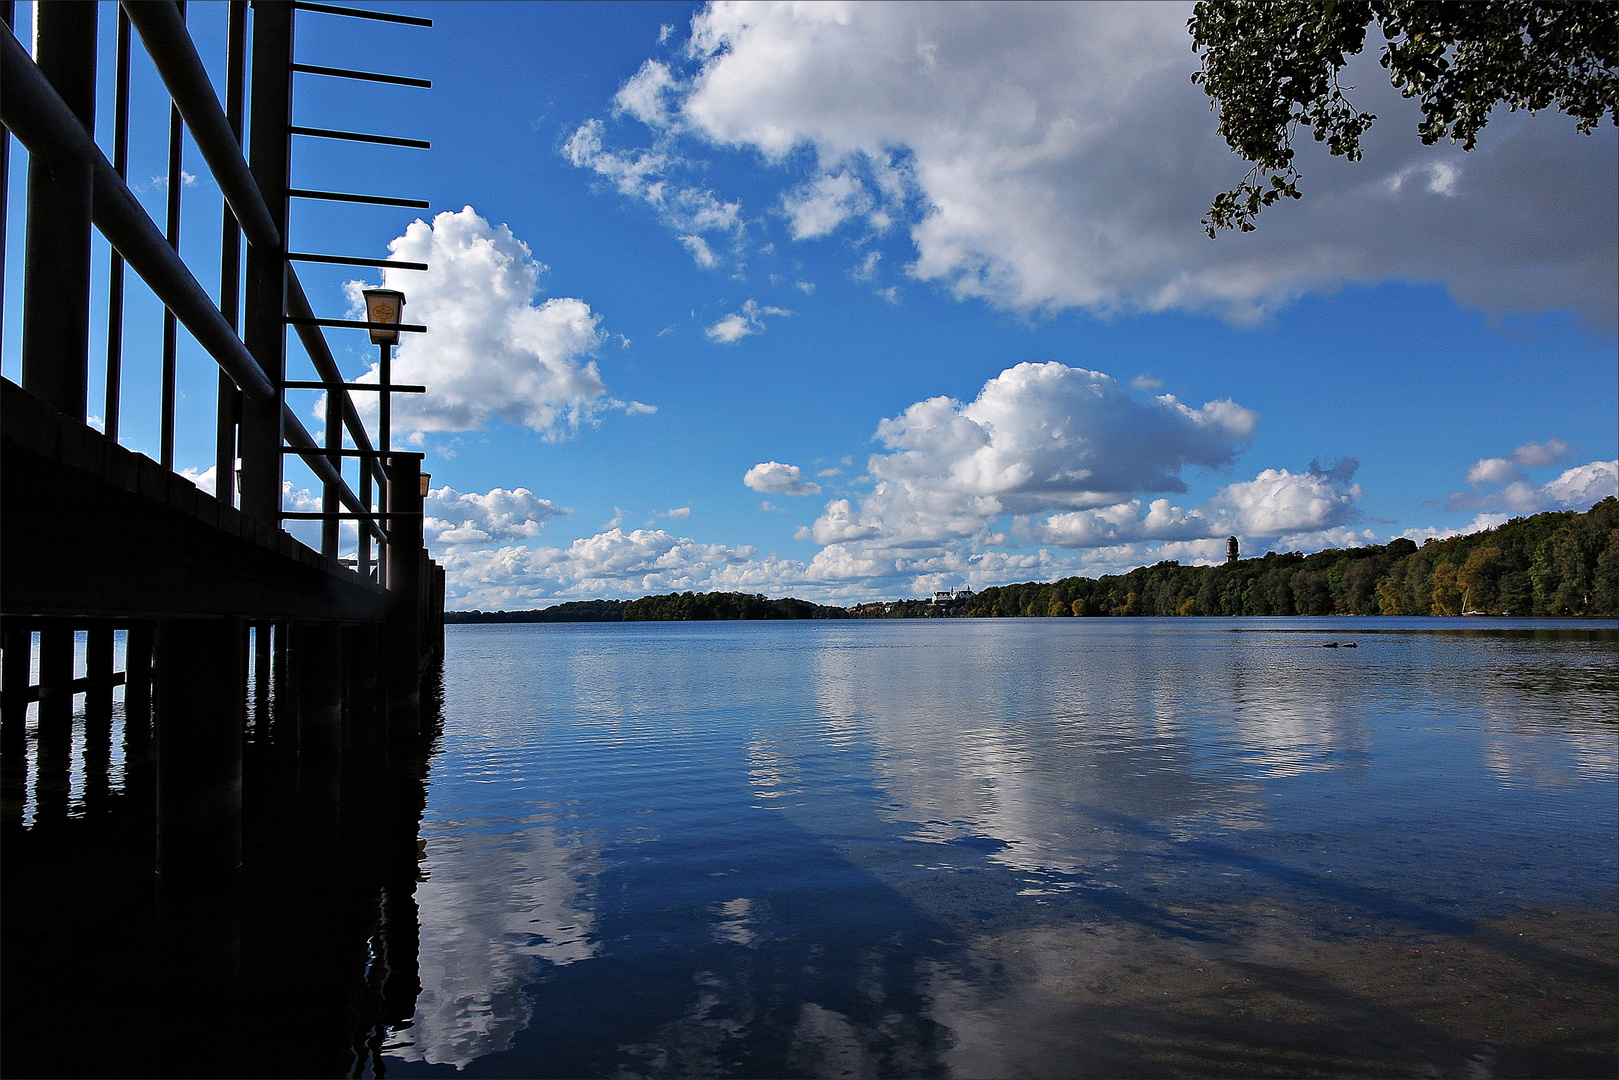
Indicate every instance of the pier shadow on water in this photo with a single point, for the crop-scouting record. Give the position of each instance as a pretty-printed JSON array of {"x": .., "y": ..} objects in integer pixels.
[{"x": 301, "y": 963}]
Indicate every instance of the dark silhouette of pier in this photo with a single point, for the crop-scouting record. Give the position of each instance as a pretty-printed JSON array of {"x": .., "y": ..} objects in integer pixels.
[{"x": 241, "y": 652}]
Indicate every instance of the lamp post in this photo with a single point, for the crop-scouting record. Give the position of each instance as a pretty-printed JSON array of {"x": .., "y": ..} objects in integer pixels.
[{"x": 382, "y": 308}]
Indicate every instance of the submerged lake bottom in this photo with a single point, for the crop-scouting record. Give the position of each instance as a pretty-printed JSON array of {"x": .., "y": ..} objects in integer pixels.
[{"x": 1018, "y": 847}]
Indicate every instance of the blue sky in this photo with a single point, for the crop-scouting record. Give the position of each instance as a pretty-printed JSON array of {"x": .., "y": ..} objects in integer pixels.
[{"x": 809, "y": 300}]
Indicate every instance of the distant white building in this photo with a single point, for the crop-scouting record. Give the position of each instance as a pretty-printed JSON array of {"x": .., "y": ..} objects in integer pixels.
[{"x": 947, "y": 595}]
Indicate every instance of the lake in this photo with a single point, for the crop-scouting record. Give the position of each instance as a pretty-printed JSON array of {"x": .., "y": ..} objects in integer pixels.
[{"x": 1018, "y": 847}]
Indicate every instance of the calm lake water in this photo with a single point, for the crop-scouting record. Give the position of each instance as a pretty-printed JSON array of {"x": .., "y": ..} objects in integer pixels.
[
  {"x": 987, "y": 848},
  {"x": 1021, "y": 847}
]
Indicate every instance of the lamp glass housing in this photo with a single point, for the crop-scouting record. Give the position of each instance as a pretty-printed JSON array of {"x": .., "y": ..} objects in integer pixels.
[
  {"x": 384, "y": 306},
  {"x": 426, "y": 477}
]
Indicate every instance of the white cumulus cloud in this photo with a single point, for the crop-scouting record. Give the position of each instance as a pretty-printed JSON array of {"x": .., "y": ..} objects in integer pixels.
[
  {"x": 1493, "y": 470},
  {"x": 1515, "y": 492},
  {"x": 1050, "y": 156},
  {"x": 456, "y": 519},
  {"x": 610, "y": 563},
  {"x": 1578, "y": 488},
  {"x": 493, "y": 348},
  {"x": 1039, "y": 437},
  {"x": 1306, "y": 509},
  {"x": 774, "y": 478},
  {"x": 1062, "y": 458},
  {"x": 1278, "y": 502}
]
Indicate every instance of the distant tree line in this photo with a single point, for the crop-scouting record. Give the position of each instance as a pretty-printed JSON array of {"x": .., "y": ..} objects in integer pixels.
[
  {"x": 675, "y": 607},
  {"x": 692, "y": 607},
  {"x": 573, "y": 611},
  {"x": 1563, "y": 563}
]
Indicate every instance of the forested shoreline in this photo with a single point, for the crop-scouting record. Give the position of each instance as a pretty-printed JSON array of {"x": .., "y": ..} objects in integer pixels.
[
  {"x": 1558, "y": 563},
  {"x": 1561, "y": 563}
]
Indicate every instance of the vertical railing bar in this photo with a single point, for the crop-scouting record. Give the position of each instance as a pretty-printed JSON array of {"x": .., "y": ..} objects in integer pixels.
[
  {"x": 61, "y": 207},
  {"x": 7, "y": 13},
  {"x": 385, "y": 401},
  {"x": 385, "y": 444},
  {"x": 115, "y": 272},
  {"x": 362, "y": 554},
  {"x": 229, "y": 408},
  {"x": 171, "y": 336},
  {"x": 263, "y": 431},
  {"x": 329, "y": 529}
]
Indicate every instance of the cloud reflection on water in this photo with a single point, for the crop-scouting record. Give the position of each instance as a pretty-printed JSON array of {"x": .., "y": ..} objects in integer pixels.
[
  {"x": 492, "y": 906},
  {"x": 966, "y": 754},
  {"x": 902, "y": 849}
]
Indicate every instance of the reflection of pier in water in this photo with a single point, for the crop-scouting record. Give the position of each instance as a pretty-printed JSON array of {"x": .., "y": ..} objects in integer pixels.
[{"x": 188, "y": 688}]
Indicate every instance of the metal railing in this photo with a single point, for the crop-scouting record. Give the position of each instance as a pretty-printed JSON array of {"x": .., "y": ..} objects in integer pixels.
[{"x": 254, "y": 422}]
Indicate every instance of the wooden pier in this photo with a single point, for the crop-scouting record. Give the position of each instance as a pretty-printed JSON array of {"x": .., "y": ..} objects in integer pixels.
[{"x": 213, "y": 603}]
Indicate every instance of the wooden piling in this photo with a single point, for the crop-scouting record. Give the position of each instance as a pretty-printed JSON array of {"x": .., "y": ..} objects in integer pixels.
[
  {"x": 320, "y": 717},
  {"x": 200, "y": 709},
  {"x": 97, "y": 718},
  {"x": 14, "y": 683},
  {"x": 404, "y": 568},
  {"x": 55, "y": 738},
  {"x": 138, "y": 740},
  {"x": 263, "y": 664},
  {"x": 363, "y": 719}
]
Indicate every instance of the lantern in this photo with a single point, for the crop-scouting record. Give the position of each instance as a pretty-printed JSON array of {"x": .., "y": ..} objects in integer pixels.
[{"x": 384, "y": 306}]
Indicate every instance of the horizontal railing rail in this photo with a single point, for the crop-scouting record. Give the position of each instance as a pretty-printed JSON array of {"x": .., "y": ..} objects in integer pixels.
[
  {"x": 358, "y": 13},
  {"x": 361, "y": 136},
  {"x": 352, "y": 260},
  {"x": 364, "y": 76},
  {"x": 392, "y": 388},
  {"x": 357, "y": 324},
  {"x": 373, "y": 200}
]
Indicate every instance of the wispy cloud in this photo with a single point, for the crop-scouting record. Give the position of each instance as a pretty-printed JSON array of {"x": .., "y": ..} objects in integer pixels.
[
  {"x": 645, "y": 175},
  {"x": 740, "y": 324}
]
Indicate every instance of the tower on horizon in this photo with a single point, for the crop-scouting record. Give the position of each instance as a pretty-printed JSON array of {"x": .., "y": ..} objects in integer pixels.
[{"x": 1231, "y": 549}]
